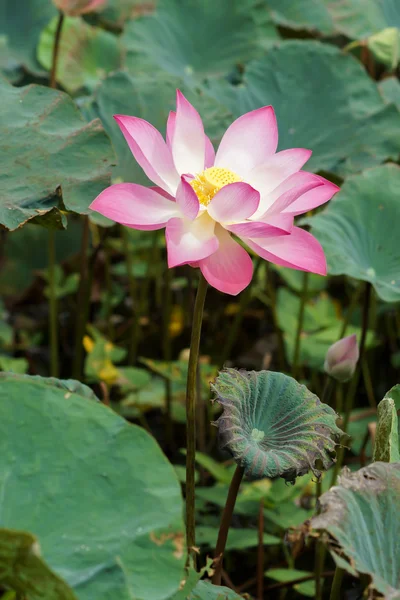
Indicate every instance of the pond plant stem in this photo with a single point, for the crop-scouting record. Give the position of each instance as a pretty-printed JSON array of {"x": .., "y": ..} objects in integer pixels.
[
  {"x": 244, "y": 301},
  {"x": 336, "y": 584},
  {"x": 169, "y": 424},
  {"x": 56, "y": 48},
  {"x": 82, "y": 300},
  {"x": 53, "y": 320},
  {"x": 260, "y": 552},
  {"x": 225, "y": 523},
  {"x": 53, "y": 313},
  {"x": 349, "y": 401},
  {"x": 300, "y": 321},
  {"x": 191, "y": 389}
]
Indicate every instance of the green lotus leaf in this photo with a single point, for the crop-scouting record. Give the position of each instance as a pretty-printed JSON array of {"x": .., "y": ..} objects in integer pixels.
[
  {"x": 205, "y": 590},
  {"x": 314, "y": 80},
  {"x": 272, "y": 425},
  {"x": 361, "y": 516},
  {"x": 23, "y": 571},
  {"x": 21, "y": 23},
  {"x": 96, "y": 491},
  {"x": 357, "y": 233},
  {"x": 357, "y": 19},
  {"x": 386, "y": 447},
  {"x": 87, "y": 53},
  {"x": 390, "y": 90},
  {"x": 195, "y": 39},
  {"x": 53, "y": 159}
]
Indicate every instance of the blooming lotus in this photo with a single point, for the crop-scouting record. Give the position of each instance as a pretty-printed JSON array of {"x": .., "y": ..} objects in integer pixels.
[
  {"x": 74, "y": 8},
  {"x": 202, "y": 198}
]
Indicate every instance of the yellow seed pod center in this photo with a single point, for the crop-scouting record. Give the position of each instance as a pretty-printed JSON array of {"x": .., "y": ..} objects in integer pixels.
[{"x": 210, "y": 181}]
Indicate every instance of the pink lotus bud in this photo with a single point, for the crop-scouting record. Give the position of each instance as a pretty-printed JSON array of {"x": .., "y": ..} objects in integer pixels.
[
  {"x": 341, "y": 358},
  {"x": 74, "y": 8}
]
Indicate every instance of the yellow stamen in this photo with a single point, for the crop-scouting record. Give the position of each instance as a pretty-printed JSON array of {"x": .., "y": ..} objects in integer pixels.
[{"x": 210, "y": 181}]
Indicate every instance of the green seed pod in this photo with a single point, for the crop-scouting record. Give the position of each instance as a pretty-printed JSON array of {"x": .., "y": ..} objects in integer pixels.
[{"x": 273, "y": 426}]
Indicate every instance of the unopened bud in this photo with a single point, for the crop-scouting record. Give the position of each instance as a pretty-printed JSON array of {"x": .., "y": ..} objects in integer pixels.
[
  {"x": 74, "y": 8},
  {"x": 341, "y": 358}
]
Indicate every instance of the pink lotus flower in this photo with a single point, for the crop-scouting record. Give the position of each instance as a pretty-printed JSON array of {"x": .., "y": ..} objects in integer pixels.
[
  {"x": 342, "y": 357},
  {"x": 202, "y": 198},
  {"x": 74, "y": 8}
]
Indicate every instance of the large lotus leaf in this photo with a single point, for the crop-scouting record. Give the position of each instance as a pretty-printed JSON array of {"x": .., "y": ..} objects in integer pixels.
[
  {"x": 150, "y": 98},
  {"x": 312, "y": 15},
  {"x": 324, "y": 100},
  {"x": 387, "y": 431},
  {"x": 357, "y": 19},
  {"x": 193, "y": 39},
  {"x": 98, "y": 493},
  {"x": 21, "y": 23},
  {"x": 204, "y": 590},
  {"x": 86, "y": 53},
  {"x": 23, "y": 571},
  {"x": 361, "y": 514},
  {"x": 51, "y": 158},
  {"x": 357, "y": 230},
  {"x": 390, "y": 90},
  {"x": 117, "y": 12},
  {"x": 272, "y": 425}
]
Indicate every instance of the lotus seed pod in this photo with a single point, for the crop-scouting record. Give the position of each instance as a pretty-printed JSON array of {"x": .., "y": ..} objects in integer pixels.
[
  {"x": 273, "y": 426},
  {"x": 341, "y": 358},
  {"x": 74, "y": 8}
]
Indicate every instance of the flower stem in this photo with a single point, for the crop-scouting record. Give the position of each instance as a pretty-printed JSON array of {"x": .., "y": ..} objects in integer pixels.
[
  {"x": 244, "y": 300},
  {"x": 169, "y": 424},
  {"x": 82, "y": 300},
  {"x": 260, "y": 552},
  {"x": 191, "y": 414},
  {"x": 354, "y": 382},
  {"x": 53, "y": 316},
  {"x": 56, "y": 47},
  {"x": 225, "y": 522},
  {"x": 336, "y": 584},
  {"x": 300, "y": 320}
]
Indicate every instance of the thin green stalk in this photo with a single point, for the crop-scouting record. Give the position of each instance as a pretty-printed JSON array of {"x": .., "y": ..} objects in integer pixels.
[
  {"x": 260, "y": 552},
  {"x": 353, "y": 303},
  {"x": 356, "y": 377},
  {"x": 191, "y": 414},
  {"x": 56, "y": 48},
  {"x": 53, "y": 324},
  {"x": 142, "y": 302},
  {"x": 108, "y": 295},
  {"x": 53, "y": 313},
  {"x": 320, "y": 554},
  {"x": 225, "y": 523},
  {"x": 132, "y": 292},
  {"x": 336, "y": 584},
  {"x": 244, "y": 300},
  {"x": 300, "y": 320},
  {"x": 169, "y": 424},
  {"x": 82, "y": 301},
  {"x": 272, "y": 296}
]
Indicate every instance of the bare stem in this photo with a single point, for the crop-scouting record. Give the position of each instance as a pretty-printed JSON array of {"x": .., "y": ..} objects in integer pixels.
[
  {"x": 336, "y": 584},
  {"x": 82, "y": 300},
  {"x": 225, "y": 522},
  {"x": 354, "y": 382},
  {"x": 56, "y": 47},
  {"x": 260, "y": 552},
  {"x": 53, "y": 316},
  {"x": 300, "y": 320},
  {"x": 191, "y": 414}
]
